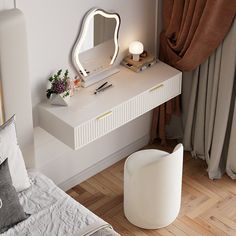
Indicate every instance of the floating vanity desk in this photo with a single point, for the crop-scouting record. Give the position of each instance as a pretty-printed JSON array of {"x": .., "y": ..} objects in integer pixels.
[{"x": 89, "y": 116}]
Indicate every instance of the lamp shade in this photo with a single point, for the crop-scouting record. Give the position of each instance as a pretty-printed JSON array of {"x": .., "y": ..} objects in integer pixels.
[{"x": 136, "y": 48}]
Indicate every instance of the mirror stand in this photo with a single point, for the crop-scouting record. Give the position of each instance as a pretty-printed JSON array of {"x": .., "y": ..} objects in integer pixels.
[{"x": 92, "y": 79}]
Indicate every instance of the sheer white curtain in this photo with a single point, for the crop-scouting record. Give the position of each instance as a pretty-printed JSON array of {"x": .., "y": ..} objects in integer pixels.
[{"x": 209, "y": 109}]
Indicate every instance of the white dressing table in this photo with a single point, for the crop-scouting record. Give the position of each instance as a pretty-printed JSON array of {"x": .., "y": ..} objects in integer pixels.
[{"x": 90, "y": 116}]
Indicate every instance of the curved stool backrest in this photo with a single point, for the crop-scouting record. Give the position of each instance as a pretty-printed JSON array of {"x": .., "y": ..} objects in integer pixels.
[{"x": 154, "y": 188}]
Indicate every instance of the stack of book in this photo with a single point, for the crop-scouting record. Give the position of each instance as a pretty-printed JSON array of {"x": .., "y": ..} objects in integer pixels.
[{"x": 142, "y": 64}]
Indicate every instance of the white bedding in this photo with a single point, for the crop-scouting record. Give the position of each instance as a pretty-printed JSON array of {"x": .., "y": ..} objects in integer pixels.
[{"x": 53, "y": 212}]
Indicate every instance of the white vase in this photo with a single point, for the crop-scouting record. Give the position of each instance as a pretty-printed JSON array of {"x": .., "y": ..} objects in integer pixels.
[{"x": 59, "y": 99}]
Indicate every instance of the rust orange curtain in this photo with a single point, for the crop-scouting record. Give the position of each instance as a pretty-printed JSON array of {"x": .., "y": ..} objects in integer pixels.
[{"x": 192, "y": 30}]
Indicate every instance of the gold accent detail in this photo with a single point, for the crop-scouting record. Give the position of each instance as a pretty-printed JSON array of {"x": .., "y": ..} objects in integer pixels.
[
  {"x": 156, "y": 87},
  {"x": 104, "y": 115}
]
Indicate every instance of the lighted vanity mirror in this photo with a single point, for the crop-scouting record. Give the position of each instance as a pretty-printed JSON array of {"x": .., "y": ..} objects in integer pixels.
[{"x": 96, "y": 48}]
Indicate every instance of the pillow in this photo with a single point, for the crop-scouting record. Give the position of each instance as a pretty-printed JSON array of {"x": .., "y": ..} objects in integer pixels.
[
  {"x": 11, "y": 212},
  {"x": 10, "y": 149}
]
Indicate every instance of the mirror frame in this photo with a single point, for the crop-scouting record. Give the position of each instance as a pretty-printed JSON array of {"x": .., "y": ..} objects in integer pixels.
[{"x": 82, "y": 34}]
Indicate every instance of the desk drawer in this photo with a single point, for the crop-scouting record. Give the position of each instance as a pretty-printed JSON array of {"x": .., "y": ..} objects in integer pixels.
[
  {"x": 127, "y": 111},
  {"x": 93, "y": 129},
  {"x": 163, "y": 92},
  {"x": 108, "y": 121}
]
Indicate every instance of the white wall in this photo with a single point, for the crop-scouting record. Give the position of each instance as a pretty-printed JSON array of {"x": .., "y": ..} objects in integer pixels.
[
  {"x": 15, "y": 80},
  {"x": 54, "y": 25},
  {"x": 52, "y": 28},
  {"x": 6, "y": 4}
]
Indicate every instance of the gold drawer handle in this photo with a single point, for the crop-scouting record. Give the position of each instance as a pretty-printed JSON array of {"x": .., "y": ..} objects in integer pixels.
[
  {"x": 104, "y": 115},
  {"x": 156, "y": 87}
]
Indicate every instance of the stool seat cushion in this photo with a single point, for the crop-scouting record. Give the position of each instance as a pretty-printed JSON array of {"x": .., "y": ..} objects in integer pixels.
[{"x": 142, "y": 158}]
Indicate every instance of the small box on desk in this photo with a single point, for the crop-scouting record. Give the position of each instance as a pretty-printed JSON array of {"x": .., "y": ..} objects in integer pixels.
[{"x": 142, "y": 64}]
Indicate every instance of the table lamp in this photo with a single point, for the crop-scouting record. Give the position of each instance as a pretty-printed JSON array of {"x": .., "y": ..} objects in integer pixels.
[{"x": 136, "y": 48}]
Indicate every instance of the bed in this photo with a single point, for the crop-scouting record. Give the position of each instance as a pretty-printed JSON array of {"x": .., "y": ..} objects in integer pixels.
[{"x": 50, "y": 211}]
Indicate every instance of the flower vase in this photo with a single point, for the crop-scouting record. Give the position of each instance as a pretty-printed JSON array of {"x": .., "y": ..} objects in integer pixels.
[{"x": 60, "y": 99}]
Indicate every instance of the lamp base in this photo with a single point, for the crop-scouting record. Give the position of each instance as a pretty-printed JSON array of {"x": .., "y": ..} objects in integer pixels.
[{"x": 135, "y": 57}]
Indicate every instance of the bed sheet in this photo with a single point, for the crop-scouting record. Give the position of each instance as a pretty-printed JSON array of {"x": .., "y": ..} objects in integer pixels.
[{"x": 52, "y": 212}]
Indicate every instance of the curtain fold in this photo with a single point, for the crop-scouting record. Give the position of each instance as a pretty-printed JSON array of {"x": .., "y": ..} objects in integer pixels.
[
  {"x": 194, "y": 27},
  {"x": 231, "y": 161},
  {"x": 210, "y": 127},
  {"x": 192, "y": 30},
  {"x": 199, "y": 38}
]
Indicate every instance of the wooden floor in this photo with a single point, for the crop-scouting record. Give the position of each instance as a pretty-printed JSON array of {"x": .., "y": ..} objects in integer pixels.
[{"x": 208, "y": 207}]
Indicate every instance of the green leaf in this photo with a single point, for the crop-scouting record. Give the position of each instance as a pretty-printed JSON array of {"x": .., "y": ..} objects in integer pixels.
[
  {"x": 59, "y": 72},
  {"x": 66, "y": 94},
  {"x": 48, "y": 93},
  {"x": 66, "y": 73}
]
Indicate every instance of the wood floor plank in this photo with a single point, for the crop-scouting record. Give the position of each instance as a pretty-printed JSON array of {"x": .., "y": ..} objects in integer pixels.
[
  {"x": 113, "y": 211},
  {"x": 194, "y": 225},
  {"x": 136, "y": 230},
  {"x": 88, "y": 187},
  {"x": 185, "y": 228},
  {"x": 205, "y": 206},
  {"x": 208, "y": 207},
  {"x": 109, "y": 205},
  {"x": 214, "y": 229},
  {"x": 113, "y": 187}
]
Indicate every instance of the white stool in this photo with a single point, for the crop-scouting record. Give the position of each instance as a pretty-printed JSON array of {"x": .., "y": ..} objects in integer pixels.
[{"x": 152, "y": 187}]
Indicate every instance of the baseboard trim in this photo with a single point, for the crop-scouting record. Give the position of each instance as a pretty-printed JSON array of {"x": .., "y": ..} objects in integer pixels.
[{"x": 105, "y": 163}]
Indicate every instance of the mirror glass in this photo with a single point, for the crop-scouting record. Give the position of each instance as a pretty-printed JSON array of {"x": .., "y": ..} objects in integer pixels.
[
  {"x": 100, "y": 30},
  {"x": 97, "y": 45}
]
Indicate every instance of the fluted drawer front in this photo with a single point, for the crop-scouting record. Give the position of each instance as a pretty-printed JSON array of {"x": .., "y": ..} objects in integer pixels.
[
  {"x": 94, "y": 128},
  {"x": 109, "y": 121},
  {"x": 163, "y": 92},
  {"x": 127, "y": 111}
]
